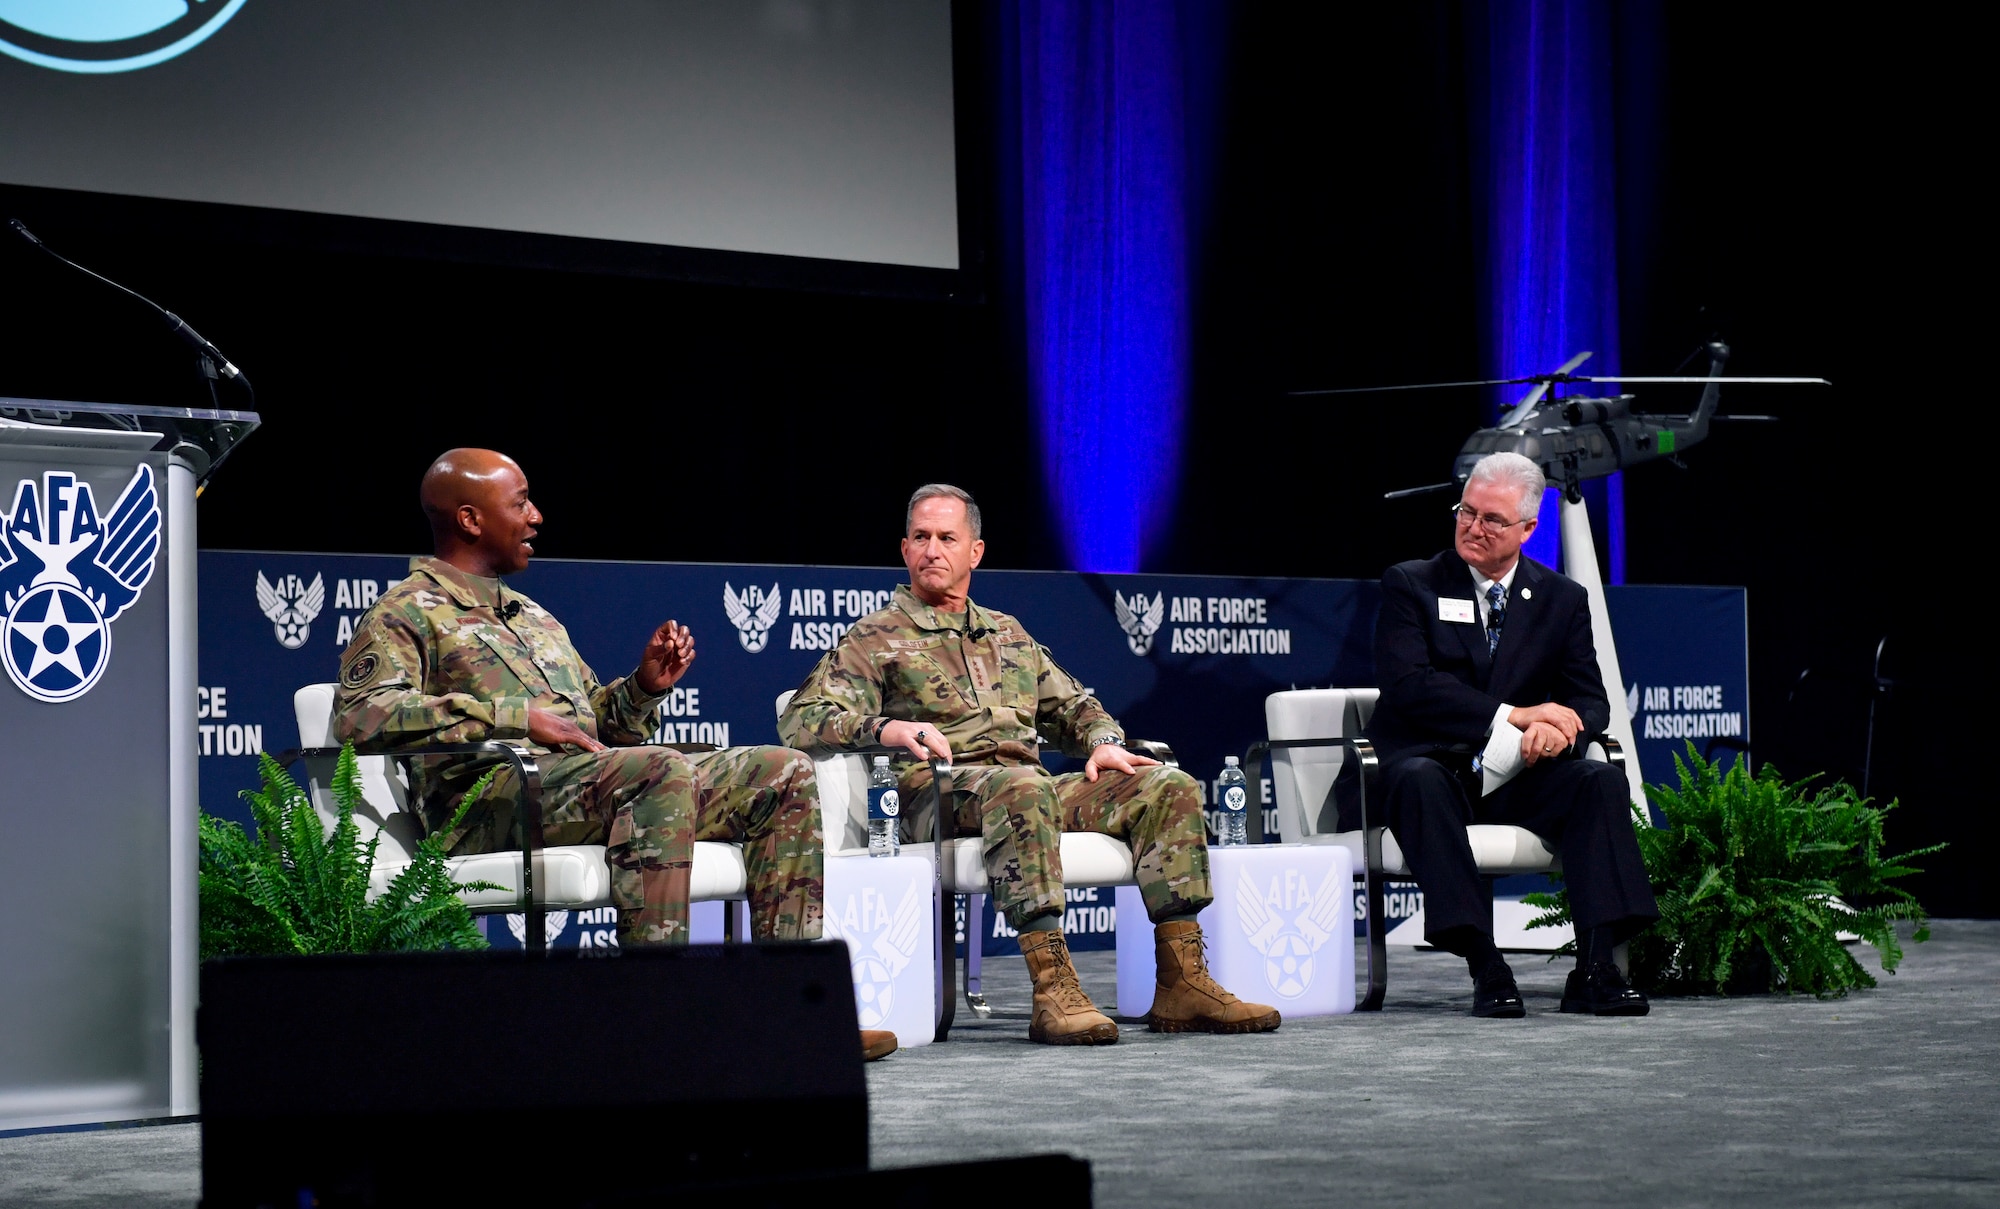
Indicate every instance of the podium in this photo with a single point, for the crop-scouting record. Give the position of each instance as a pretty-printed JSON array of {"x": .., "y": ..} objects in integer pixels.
[{"x": 99, "y": 925}]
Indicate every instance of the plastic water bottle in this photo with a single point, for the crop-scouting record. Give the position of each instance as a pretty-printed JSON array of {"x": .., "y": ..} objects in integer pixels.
[
  {"x": 1234, "y": 800},
  {"x": 885, "y": 810}
]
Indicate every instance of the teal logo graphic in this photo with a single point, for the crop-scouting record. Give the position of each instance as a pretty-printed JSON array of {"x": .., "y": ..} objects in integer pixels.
[{"x": 101, "y": 36}]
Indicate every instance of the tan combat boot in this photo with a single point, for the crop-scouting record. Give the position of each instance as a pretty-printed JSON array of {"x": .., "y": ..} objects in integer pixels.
[
  {"x": 1063, "y": 1015},
  {"x": 1186, "y": 999}
]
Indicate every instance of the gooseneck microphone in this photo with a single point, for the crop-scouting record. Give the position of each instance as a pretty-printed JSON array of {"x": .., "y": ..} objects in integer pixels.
[{"x": 178, "y": 326}]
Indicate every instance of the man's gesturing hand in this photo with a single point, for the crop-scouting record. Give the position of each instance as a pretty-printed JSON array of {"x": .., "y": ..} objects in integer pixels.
[
  {"x": 551, "y": 729},
  {"x": 922, "y": 741},
  {"x": 1110, "y": 755},
  {"x": 666, "y": 657}
]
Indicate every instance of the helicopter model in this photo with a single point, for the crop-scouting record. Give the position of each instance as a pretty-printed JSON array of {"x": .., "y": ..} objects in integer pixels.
[{"x": 1573, "y": 438}]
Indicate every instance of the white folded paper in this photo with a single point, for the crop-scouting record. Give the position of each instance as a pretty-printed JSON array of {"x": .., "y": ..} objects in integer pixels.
[{"x": 1501, "y": 760}]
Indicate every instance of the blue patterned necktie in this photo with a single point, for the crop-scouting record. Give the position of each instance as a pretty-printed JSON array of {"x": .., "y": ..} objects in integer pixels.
[{"x": 1496, "y": 616}]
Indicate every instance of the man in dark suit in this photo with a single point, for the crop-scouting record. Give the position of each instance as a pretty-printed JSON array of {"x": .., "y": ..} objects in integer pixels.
[{"x": 1480, "y": 640}]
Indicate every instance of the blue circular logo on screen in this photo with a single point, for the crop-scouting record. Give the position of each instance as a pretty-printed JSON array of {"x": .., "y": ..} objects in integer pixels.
[{"x": 100, "y": 36}]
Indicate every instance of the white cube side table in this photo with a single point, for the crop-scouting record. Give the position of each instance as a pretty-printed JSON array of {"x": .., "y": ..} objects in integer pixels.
[{"x": 1280, "y": 931}]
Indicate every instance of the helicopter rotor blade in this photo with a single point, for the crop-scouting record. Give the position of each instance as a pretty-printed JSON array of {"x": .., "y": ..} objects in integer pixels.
[
  {"x": 1727, "y": 381},
  {"x": 1528, "y": 401},
  {"x": 1370, "y": 390},
  {"x": 1410, "y": 491}
]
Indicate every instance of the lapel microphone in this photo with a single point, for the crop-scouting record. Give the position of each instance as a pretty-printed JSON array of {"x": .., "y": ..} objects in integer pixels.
[{"x": 510, "y": 610}]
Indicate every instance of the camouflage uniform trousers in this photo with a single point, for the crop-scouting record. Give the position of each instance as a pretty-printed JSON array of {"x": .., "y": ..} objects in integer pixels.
[
  {"x": 648, "y": 806},
  {"x": 1021, "y": 810}
]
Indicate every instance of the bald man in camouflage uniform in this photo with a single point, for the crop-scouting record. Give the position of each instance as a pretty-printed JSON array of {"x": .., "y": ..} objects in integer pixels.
[
  {"x": 937, "y": 675},
  {"x": 452, "y": 655},
  {"x": 447, "y": 657}
]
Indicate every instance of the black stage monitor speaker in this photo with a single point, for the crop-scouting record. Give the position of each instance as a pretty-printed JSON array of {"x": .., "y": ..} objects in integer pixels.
[{"x": 471, "y": 1078}]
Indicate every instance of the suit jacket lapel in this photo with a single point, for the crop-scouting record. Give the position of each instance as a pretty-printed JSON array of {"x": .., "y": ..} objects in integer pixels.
[
  {"x": 1523, "y": 611},
  {"x": 1454, "y": 580}
]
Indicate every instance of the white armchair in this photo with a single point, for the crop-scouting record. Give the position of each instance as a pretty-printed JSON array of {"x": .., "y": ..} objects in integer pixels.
[
  {"x": 1314, "y": 735},
  {"x": 564, "y": 877}
]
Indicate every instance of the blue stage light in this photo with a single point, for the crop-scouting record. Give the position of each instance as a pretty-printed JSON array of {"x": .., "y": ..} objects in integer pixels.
[
  {"x": 1549, "y": 172},
  {"x": 1100, "y": 93}
]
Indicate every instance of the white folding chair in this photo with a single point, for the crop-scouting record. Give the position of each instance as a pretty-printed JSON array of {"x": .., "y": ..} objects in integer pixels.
[{"x": 564, "y": 877}]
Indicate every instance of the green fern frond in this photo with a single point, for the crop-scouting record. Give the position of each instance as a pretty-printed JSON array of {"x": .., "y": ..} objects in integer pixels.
[
  {"x": 302, "y": 887},
  {"x": 1749, "y": 869}
]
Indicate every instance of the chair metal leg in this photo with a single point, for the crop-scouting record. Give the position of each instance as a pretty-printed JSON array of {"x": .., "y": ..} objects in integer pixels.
[
  {"x": 947, "y": 956},
  {"x": 731, "y": 932},
  {"x": 534, "y": 936},
  {"x": 1378, "y": 941},
  {"x": 975, "y": 941}
]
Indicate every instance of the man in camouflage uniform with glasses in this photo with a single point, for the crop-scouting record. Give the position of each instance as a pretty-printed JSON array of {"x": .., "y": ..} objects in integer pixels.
[
  {"x": 452, "y": 655},
  {"x": 937, "y": 675}
]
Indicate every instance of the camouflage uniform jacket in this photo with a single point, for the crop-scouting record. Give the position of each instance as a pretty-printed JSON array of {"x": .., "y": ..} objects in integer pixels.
[
  {"x": 447, "y": 657},
  {"x": 993, "y": 698}
]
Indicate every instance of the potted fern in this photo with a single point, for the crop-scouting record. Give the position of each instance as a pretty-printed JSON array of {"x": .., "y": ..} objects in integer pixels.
[
  {"x": 298, "y": 888},
  {"x": 1758, "y": 879}
]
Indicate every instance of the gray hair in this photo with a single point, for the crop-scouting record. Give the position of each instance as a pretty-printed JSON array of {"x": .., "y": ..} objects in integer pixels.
[
  {"x": 1512, "y": 470},
  {"x": 931, "y": 491}
]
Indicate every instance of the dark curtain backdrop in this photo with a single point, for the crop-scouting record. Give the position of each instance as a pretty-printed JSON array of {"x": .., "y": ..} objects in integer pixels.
[{"x": 1792, "y": 181}]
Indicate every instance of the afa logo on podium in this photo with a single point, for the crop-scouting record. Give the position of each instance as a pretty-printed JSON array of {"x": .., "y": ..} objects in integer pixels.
[
  {"x": 98, "y": 37},
  {"x": 65, "y": 576}
]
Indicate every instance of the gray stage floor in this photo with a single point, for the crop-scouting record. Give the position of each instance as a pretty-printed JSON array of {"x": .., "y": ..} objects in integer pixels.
[{"x": 1887, "y": 1097}]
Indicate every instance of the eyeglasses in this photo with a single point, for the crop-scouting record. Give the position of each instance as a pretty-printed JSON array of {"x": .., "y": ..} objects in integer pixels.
[{"x": 1488, "y": 522}]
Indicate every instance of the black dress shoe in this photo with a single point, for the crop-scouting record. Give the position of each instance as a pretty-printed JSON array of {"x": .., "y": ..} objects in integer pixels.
[
  {"x": 1600, "y": 990},
  {"x": 1494, "y": 995}
]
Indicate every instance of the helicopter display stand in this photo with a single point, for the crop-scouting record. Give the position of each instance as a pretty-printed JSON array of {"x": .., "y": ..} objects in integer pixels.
[{"x": 1579, "y": 554}]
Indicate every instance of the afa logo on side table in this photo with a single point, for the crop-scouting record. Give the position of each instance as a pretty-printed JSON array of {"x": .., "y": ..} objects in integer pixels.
[
  {"x": 881, "y": 943},
  {"x": 1288, "y": 922},
  {"x": 66, "y": 575}
]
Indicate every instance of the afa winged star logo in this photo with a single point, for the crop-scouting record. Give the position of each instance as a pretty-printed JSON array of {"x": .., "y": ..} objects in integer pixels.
[
  {"x": 881, "y": 947},
  {"x": 291, "y": 604},
  {"x": 66, "y": 572},
  {"x": 753, "y": 613},
  {"x": 553, "y": 922},
  {"x": 1138, "y": 619},
  {"x": 1289, "y": 934}
]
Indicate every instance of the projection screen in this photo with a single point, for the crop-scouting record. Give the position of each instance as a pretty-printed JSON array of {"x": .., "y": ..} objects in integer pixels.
[{"x": 805, "y": 128}]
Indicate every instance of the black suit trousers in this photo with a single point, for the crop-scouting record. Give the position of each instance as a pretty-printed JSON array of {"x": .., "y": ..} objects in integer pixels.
[{"x": 1581, "y": 807}]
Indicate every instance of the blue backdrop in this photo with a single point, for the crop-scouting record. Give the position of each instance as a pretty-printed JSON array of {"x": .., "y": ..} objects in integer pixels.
[{"x": 1197, "y": 682}]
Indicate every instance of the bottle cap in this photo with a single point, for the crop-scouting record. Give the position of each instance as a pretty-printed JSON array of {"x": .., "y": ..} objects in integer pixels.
[
  {"x": 1230, "y": 761},
  {"x": 881, "y": 760}
]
